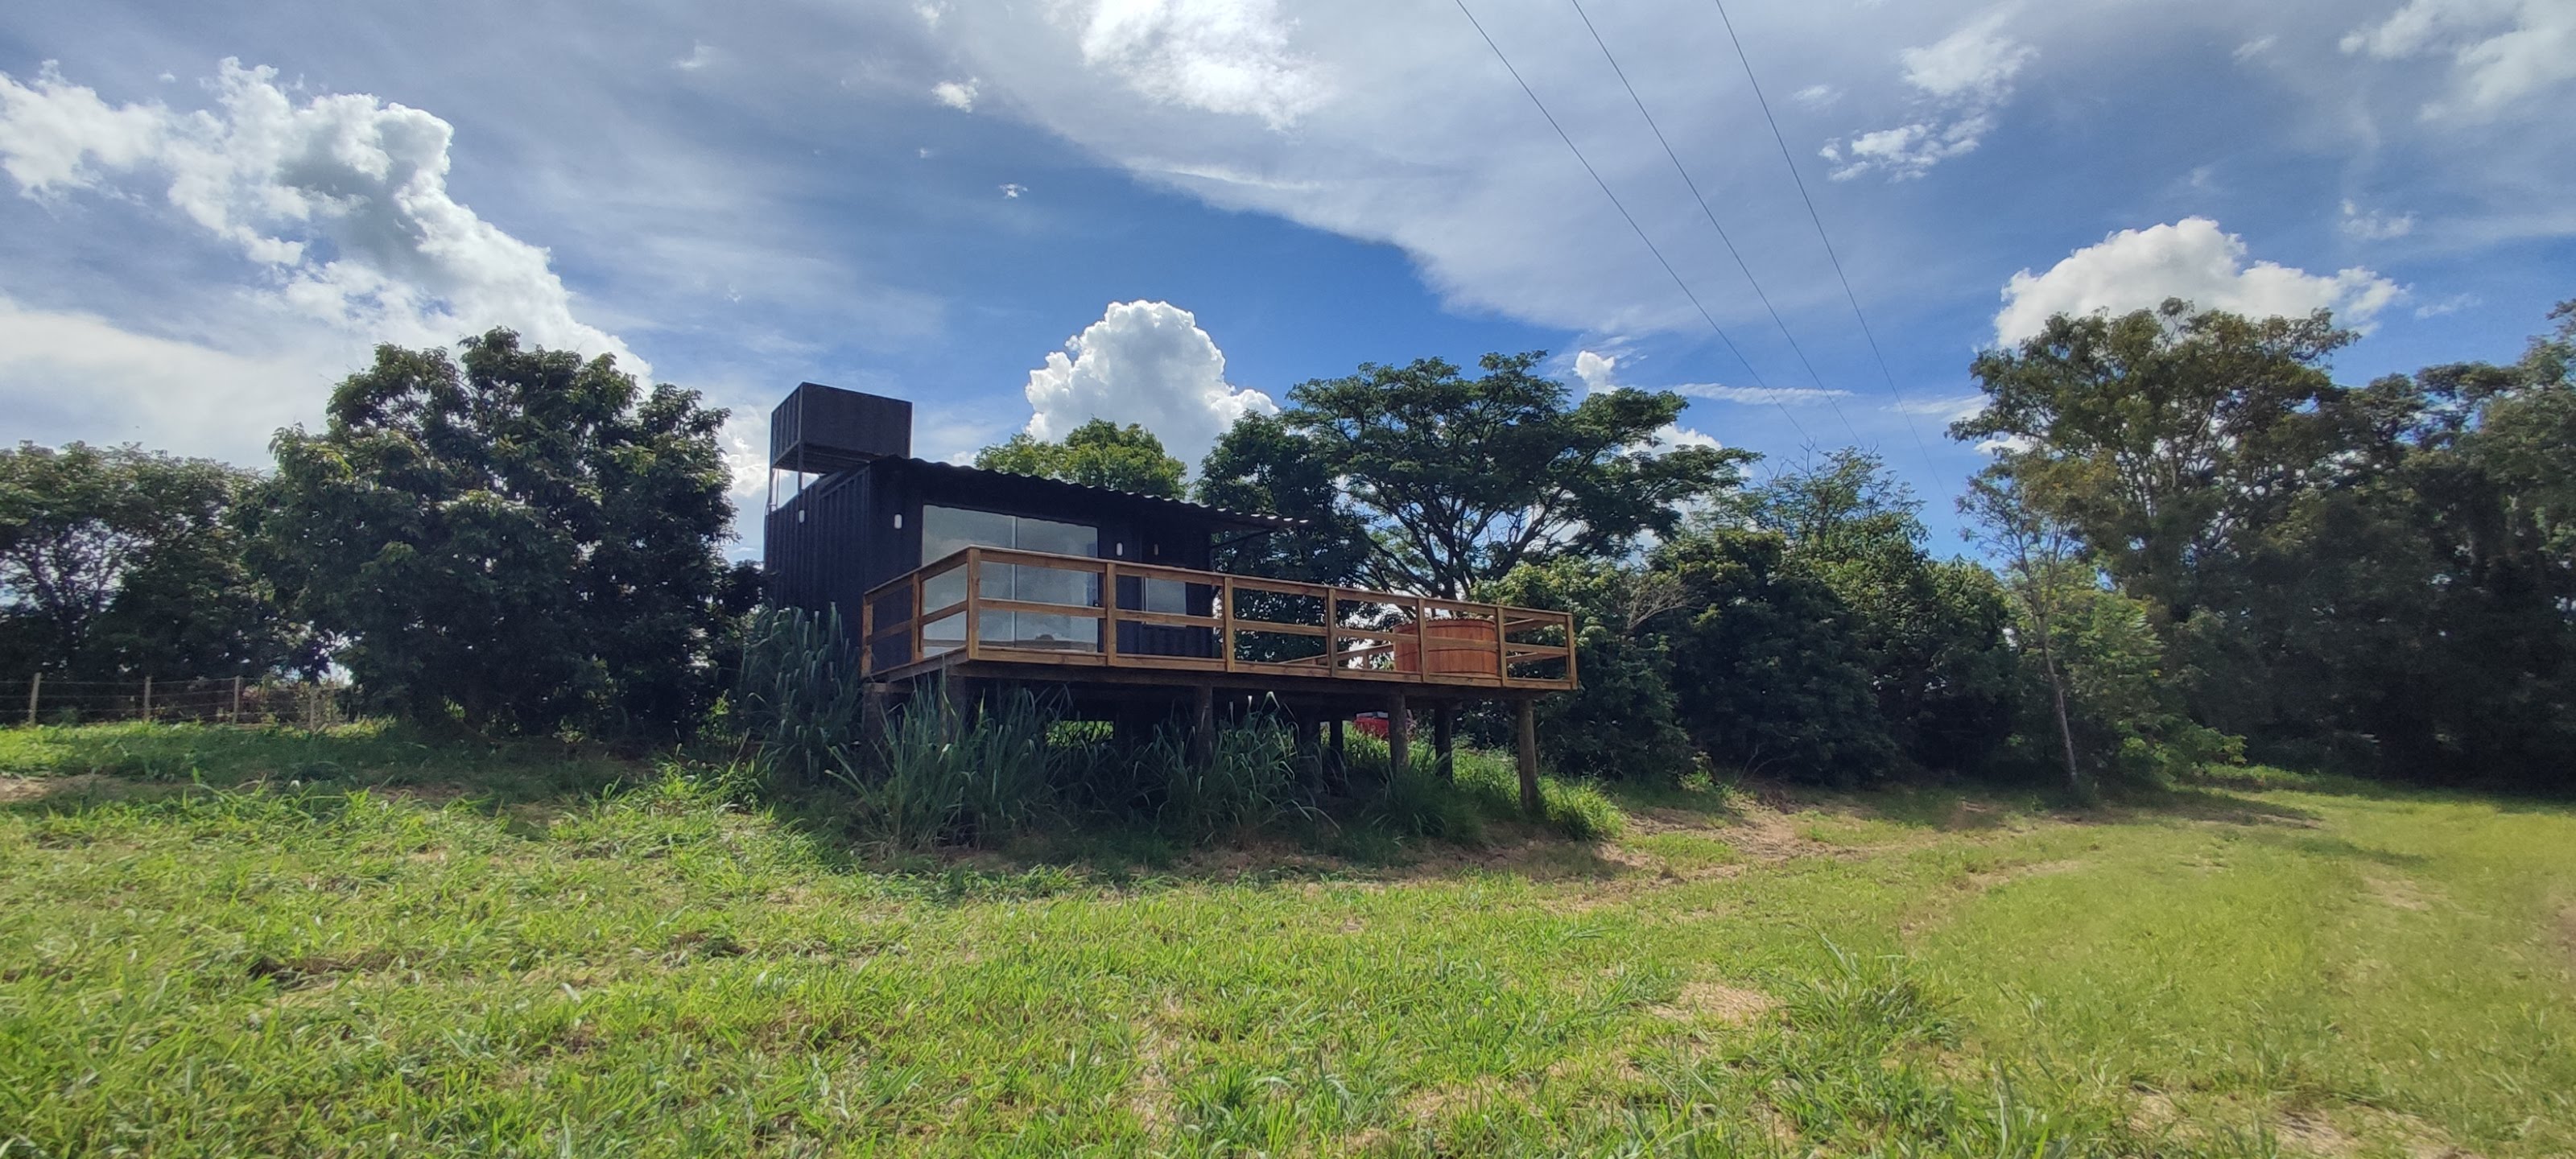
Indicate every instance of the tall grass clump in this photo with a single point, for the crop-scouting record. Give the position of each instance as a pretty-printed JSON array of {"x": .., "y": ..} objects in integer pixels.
[
  {"x": 950, "y": 775},
  {"x": 1255, "y": 777},
  {"x": 1487, "y": 788},
  {"x": 799, "y": 698}
]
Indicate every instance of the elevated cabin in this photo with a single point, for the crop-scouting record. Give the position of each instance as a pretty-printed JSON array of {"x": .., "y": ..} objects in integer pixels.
[{"x": 980, "y": 576}]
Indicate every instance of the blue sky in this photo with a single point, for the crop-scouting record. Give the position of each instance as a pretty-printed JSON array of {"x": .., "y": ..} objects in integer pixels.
[{"x": 1022, "y": 215}]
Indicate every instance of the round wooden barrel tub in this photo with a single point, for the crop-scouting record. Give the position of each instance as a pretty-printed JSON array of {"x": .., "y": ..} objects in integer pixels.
[{"x": 1462, "y": 646}]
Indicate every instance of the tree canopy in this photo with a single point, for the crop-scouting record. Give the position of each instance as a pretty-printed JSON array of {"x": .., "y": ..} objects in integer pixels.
[
  {"x": 1099, "y": 453},
  {"x": 519, "y": 540},
  {"x": 118, "y": 562},
  {"x": 1455, "y": 480}
]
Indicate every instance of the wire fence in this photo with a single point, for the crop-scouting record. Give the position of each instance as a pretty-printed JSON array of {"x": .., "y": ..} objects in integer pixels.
[{"x": 42, "y": 700}]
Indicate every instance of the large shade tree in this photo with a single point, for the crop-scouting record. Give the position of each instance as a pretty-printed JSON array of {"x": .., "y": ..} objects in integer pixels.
[
  {"x": 118, "y": 563},
  {"x": 1456, "y": 479},
  {"x": 518, "y": 539}
]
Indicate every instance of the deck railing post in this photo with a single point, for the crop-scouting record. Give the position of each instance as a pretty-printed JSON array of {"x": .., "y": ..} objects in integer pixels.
[
  {"x": 1502, "y": 646},
  {"x": 975, "y": 600},
  {"x": 1225, "y": 620},
  {"x": 917, "y": 625},
  {"x": 1109, "y": 613},
  {"x": 867, "y": 633}
]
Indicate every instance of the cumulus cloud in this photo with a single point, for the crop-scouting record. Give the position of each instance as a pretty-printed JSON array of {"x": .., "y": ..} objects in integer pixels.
[
  {"x": 1593, "y": 370},
  {"x": 2502, "y": 51},
  {"x": 1817, "y": 96},
  {"x": 2371, "y": 225},
  {"x": 1220, "y": 56},
  {"x": 1011, "y": 190},
  {"x": 958, "y": 95},
  {"x": 1146, "y": 363},
  {"x": 342, "y": 200},
  {"x": 1960, "y": 80},
  {"x": 2191, "y": 259}
]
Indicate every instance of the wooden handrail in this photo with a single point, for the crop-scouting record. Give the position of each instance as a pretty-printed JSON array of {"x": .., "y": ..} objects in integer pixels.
[{"x": 1406, "y": 632}]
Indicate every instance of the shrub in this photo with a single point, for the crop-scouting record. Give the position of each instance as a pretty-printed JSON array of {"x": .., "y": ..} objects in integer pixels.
[{"x": 798, "y": 698}]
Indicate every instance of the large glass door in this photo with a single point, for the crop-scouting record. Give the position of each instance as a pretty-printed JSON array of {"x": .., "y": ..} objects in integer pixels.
[{"x": 948, "y": 530}]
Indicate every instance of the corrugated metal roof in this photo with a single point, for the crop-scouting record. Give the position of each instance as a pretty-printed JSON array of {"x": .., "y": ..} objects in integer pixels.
[{"x": 1246, "y": 520}]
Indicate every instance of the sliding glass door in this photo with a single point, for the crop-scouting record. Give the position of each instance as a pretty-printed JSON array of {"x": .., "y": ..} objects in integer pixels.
[{"x": 948, "y": 530}]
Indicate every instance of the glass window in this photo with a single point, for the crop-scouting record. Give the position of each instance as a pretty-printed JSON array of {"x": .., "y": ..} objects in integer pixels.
[
  {"x": 948, "y": 530},
  {"x": 945, "y": 531}
]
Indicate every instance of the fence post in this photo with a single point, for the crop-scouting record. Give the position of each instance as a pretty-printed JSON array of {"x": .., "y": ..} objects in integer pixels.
[
  {"x": 35, "y": 685},
  {"x": 235, "y": 718},
  {"x": 147, "y": 700}
]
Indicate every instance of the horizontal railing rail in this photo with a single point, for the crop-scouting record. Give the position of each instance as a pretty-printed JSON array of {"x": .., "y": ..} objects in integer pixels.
[{"x": 1003, "y": 604}]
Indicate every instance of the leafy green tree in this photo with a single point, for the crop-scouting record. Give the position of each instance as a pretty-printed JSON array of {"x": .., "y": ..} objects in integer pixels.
[
  {"x": 2168, "y": 439},
  {"x": 1930, "y": 632},
  {"x": 1260, "y": 465},
  {"x": 517, "y": 540},
  {"x": 1769, "y": 673},
  {"x": 119, "y": 563},
  {"x": 1624, "y": 722},
  {"x": 1458, "y": 480},
  {"x": 1099, "y": 453}
]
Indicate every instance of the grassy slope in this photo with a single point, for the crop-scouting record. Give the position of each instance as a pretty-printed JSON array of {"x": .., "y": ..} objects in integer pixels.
[{"x": 547, "y": 967}]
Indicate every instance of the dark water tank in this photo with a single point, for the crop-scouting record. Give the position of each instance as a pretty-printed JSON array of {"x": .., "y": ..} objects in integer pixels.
[{"x": 821, "y": 429}]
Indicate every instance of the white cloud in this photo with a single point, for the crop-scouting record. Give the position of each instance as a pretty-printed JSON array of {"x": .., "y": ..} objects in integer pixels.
[
  {"x": 701, "y": 54},
  {"x": 1594, "y": 370},
  {"x": 1220, "y": 56},
  {"x": 2255, "y": 47},
  {"x": 1962, "y": 78},
  {"x": 1012, "y": 190},
  {"x": 342, "y": 200},
  {"x": 55, "y": 135},
  {"x": 1676, "y": 435},
  {"x": 2450, "y": 305},
  {"x": 1817, "y": 96},
  {"x": 1976, "y": 62},
  {"x": 1948, "y": 409},
  {"x": 2501, "y": 50},
  {"x": 1146, "y": 363},
  {"x": 2191, "y": 259},
  {"x": 1759, "y": 395},
  {"x": 66, "y": 374},
  {"x": 2372, "y": 225},
  {"x": 958, "y": 95}
]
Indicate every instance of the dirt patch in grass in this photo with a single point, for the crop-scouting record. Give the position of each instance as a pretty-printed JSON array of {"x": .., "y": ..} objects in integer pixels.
[
  {"x": 2398, "y": 893},
  {"x": 1991, "y": 878},
  {"x": 22, "y": 790},
  {"x": 1718, "y": 1002},
  {"x": 1433, "y": 1104}
]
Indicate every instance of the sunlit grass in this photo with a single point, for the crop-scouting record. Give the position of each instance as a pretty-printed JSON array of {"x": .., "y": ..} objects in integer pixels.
[{"x": 427, "y": 952}]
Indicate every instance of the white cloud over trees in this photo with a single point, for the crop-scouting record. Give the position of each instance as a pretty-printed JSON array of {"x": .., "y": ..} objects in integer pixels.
[
  {"x": 1146, "y": 363},
  {"x": 2192, "y": 259}
]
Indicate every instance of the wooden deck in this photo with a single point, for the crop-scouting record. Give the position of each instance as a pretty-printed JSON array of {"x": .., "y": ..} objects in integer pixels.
[{"x": 1076, "y": 619}]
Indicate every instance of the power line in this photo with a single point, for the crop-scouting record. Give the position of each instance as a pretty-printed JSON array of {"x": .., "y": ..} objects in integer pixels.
[
  {"x": 1626, "y": 216},
  {"x": 1711, "y": 215},
  {"x": 1819, "y": 221}
]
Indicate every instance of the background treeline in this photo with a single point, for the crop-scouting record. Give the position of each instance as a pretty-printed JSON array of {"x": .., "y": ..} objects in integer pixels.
[{"x": 2196, "y": 547}]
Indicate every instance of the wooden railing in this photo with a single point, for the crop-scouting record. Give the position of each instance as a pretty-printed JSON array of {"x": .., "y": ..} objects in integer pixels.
[{"x": 998, "y": 604}]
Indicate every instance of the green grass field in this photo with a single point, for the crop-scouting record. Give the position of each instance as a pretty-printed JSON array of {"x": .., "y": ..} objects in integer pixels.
[{"x": 248, "y": 943}]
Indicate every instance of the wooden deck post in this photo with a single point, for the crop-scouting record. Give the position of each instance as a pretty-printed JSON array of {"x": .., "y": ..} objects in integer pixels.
[
  {"x": 1528, "y": 729},
  {"x": 1399, "y": 737},
  {"x": 36, "y": 687},
  {"x": 1444, "y": 735},
  {"x": 1338, "y": 766},
  {"x": 1202, "y": 726}
]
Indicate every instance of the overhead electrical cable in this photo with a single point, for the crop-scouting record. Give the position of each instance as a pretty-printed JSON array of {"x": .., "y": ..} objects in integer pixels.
[
  {"x": 1625, "y": 215},
  {"x": 1822, "y": 391},
  {"x": 1819, "y": 221}
]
